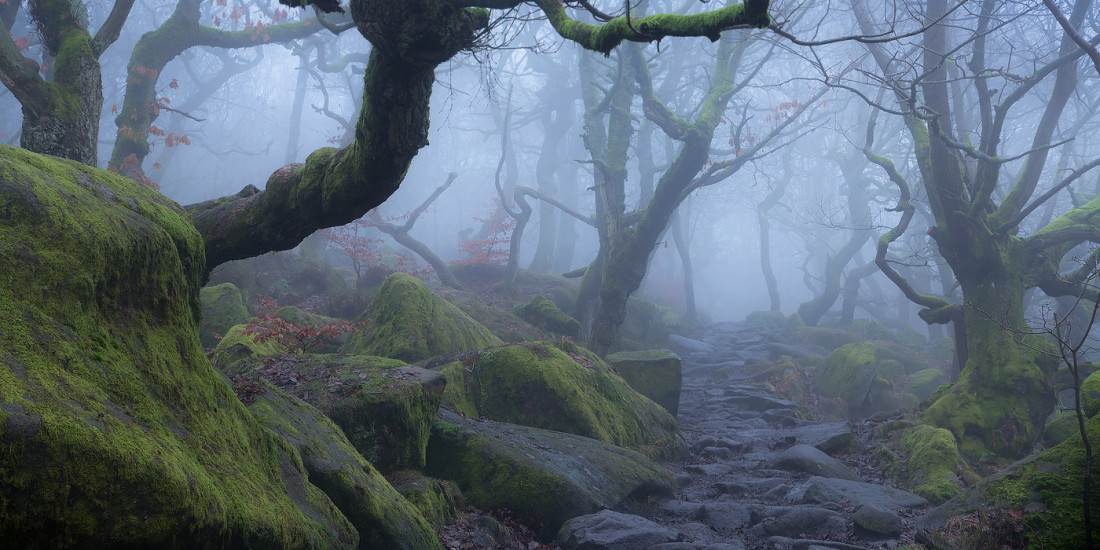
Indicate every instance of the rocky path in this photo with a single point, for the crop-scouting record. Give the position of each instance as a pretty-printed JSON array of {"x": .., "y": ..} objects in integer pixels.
[{"x": 759, "y": 474}]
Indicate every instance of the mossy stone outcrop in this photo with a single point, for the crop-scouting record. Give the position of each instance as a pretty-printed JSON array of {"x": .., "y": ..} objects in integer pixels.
[
  {"x": 656, "y": 374},
  {"x": 409, "y": 323},
  {"x": 543, "y": 477},
  {"x": 568, "y": 390},
  {"x": 385, "y": 407},
  {"x": 543, "y": 313},
  {"x": 860, "y": 378},
  {"x": 115, "y": 430},
  {"x": 381, "y": 515},
  {"x": 222, "y": 309},
  {"x": 1047, "y": 487}
]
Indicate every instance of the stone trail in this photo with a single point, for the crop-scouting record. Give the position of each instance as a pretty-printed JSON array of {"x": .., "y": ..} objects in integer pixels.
[{"x": 759, "y": 475}]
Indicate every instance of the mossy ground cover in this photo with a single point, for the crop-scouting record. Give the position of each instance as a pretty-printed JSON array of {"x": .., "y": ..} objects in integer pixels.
[{"x": 116, "y": 430}]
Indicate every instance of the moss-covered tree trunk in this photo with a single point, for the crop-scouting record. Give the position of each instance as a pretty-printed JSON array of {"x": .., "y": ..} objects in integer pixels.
[
  {"x": 1003, "y": 394},
  {"x": 61, "y": 115}
]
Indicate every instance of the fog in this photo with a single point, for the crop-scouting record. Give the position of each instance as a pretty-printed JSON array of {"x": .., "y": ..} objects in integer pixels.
[{"x": 286, "y": 100}]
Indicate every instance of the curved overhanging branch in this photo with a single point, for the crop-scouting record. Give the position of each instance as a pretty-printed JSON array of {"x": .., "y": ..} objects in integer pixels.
[
  {"x": 604, "y": 38},
  {"x": 334, "y": 186},
  {"x": 938, "y": 310}
]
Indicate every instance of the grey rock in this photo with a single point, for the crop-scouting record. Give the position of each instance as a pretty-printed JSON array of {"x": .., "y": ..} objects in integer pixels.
[
  {"x": 609, "y": 530},
  {"x": 689, "y": 344},
  {"x": 728, "y": 516},
  {"x": 877, "y": 521},
  {"x": 798, "y": 520},
  {"x": 804, "y": 458},
  {"x": 829, "y": 437},
  {"x": 820, "y": 490}
]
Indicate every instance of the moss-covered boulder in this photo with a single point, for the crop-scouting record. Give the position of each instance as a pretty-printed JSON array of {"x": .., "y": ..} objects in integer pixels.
[
  {"x": 1044, "y": 490},
  {"x": 236, "y": 346},
  {"x": 543, "y": 477},
  {"x": 543, "y": 313},
  {"x": 438, "y": 500},
  {"x": 381, "y": 515},
  {"x": 925, "y": 382},
  {"x": 333, "y": 332},
  {"x": 114, "y": 428},
  {"x": 847, "y": 373},
  {"x": 222, "y": 308},
  {"x": 539, "y": 384},
  {"x": 410, "y": 323},
  {"x": 1060, "y": 427},
  {"x": 385, "y": 407},
  {"x": 1090, "y": 394},
  {"x": 933, "y": 467},
  {"x": 656, "y": 374}
]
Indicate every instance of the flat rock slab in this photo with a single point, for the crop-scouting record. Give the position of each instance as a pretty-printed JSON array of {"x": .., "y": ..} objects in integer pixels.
[
  {"x": 804, "y": 458},
  {"x": 543, "y": 477},
  {"x": 820, "y": 490},
  {"x": 829, "y": 437},
  {"x": 799, "y": 520},
  {"x": 609, "y": 530}
]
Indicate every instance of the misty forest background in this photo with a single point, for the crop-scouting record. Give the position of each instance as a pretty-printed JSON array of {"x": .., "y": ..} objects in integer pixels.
[{"x": 918, "y": 170}]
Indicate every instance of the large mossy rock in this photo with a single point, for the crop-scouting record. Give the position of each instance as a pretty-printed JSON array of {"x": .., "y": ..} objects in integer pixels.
[
  {"x": 860, "y": 379},
  {"x": 1047, "y": 487},
  {"x": 409, "y": 323},
  {"x": 543, "y": 313},
  {"x": 381, "y": 515},
  {"x": 115, "y": 430},
  {"x": 543, "y": 477},
  {"x": 222, "y": 309},
  {"x": 385, "y": 407},
  {"x": 568, "y": 390},
  {"x": 656, "y": 374}
]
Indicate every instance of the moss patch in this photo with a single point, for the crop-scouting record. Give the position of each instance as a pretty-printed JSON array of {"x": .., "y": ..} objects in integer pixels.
[
  {"x": 925, "y": 382},
  {"x": 1047, "y": 488},
  {"x": 1090, "y": 394},
  {"x": 409, "y": 323},
  {"x": 932, "y": 470},
  {"x": 848, "y": 373},
  {"x": 538, "y": 384},
  {"x": 543, "y": 313},
  {"x": 656, "y": 374},
  {"x": 115, "y": 429},
  {"x": 222, "y": 308},
  {"x": 383, "y": 518},
  {"x": 384, "y": 406},
  {"x": 439, "y": 501}
]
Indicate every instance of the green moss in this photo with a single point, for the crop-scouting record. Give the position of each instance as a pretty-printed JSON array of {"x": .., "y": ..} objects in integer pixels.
[
  {"x": 1060, "y": 428},
  {"x": 117, "y": 431},
  {"x": 925, "y": 382},
  {"x": 455, "y": 395},
  {"x": 1090, "y": 394},
  {"x": 932, "y": 470},
  {"x": 383, "y": 518},
  {"x": 543, "y": 313},
  {"x": 384, "y": 406},
  {"x": 439, "y": 501},
  {"x": 409, "y": 323},
  {"x": 848, "y": 373},
  {"x": 573, "y": 391},
  {"x": 222, "y": 308},
  {"x": 656, "y": 374},
  {"x": 235, "y": 346}
]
